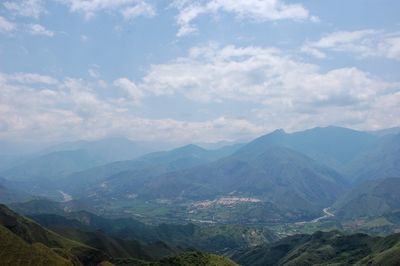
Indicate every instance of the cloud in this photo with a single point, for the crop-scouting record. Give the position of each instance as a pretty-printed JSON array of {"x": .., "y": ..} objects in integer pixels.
[
  {"x": 128, "y": 8},
  {"x": 130, "y": 88},
  {"x": 25, "y": 8},
  {"x": 255, "y": 10},
  {"x": 6, "y": 25},
  {"x": 94, "y": 71},
  {"x": 283, "y": 86},
  {"x": 84, "y": 38},
  {"x": 313, "y": 51},
  {"x": 28, "y": 78},
  {"x": 285, "y": 92},
  {"x": 140, "y": 9},
  {"x": 257, "y": 74},
  {"x": 37, "y": 29},
  {"x": 73, "y": 109},
  {"x": 363, "y": 43}
]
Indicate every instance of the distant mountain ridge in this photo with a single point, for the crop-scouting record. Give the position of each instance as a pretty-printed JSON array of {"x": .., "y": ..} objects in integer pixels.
[
  {"x": 333, "y": 146},
  {"x": 146, "y": 166},
  {"x": 294, "y": 175},
  {"x": 382, "y": 160},
  {"x": 372, "y": 198},
  {"x": 288, "y": 179}
]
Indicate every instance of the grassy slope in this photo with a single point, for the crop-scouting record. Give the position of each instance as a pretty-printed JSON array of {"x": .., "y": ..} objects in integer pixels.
[
  {"x": 24, "y": 242},
  {"x": 32, "y": 233},
  {"x": 14, "y": 251},
  {"x": 195, "y": 258},
  {"x": 215, "y": 239},
  {"x": 325, "y": 248}
]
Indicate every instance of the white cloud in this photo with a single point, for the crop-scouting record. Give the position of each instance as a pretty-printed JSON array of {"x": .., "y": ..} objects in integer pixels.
[
  {"x": 37, "y": 29},
  {"x": 28, "y": 78},
  {"x": 128, "y": 8},
  {"x": 363, "y": 43},
  {"x": 211, "y": 73},
  {"x": 130, "y": 88},
  {"x": 84, "y": 38},
  {"x": 255, "y": 10},
  {"x": 94, "y": 71},
  {"x": 25, "y": 8},
  {"x": 6, "y": 25},
  {"x": 140, "y": 9},
  {"x": 313, "y": 51},
  {"x": 288, "y": 94},
  {"x": 287, "y": 88},
  {"x": 72, "y": 108}
]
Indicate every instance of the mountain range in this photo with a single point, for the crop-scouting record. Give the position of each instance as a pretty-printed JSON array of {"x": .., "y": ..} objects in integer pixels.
[
  {"x": 292, "y": 175},
  {"x": 129, "y": 203}
]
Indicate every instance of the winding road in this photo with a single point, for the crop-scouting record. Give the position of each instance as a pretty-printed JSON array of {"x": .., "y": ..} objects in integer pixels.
[{"x": 327, "y": 214}]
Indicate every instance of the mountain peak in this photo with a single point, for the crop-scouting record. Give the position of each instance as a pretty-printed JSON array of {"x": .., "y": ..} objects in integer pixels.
[
  {"x": 278, "y": 131},
  {"x": 189, "y": 148}
]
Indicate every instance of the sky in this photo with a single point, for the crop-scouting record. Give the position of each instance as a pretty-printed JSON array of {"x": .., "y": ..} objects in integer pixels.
[{"x": 195, "y": 71}]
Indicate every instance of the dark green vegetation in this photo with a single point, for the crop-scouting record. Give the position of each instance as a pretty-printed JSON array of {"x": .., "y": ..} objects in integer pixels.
[
  {"x": 19, "y": 232},
  {"x": 195, "y": 258},
  {"x": 329, "y": 248},
  {"x": 24, "y": 242},
  {"x": 213, "y": 238}
]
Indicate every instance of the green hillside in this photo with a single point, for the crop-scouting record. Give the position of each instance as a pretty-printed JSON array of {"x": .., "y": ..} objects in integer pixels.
[
  {"x": 16, "y": 252},
  {"x": 324, "y": 248},
  {"x": 32, "y": 233},
  {"x": 212, "y": 238},
  {"x": 195, "y": 258},
  {"x": 24, "y": 242}
]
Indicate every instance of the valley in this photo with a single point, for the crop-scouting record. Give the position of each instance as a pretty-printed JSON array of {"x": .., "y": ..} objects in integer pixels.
[
  {"x": 232, "y": 201},
  {"x": 199, "y": 133}
]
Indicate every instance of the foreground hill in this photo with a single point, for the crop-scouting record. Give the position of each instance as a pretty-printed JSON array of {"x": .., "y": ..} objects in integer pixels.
[
  {"x": 86, "y": 246},
  {"x": 195, "y": 258},
  {"x": 370, "y": 199},
  {"x": 15, "y": 251},
  {"x": 19, "y": 232},
  {"x": 24, "y": 242},
  {"x": 211, "y": 238},
  {"x": 324, "y": 248}
]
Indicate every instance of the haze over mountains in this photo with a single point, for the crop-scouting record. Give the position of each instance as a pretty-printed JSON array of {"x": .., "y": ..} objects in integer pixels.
[
  {"x": 235, "y": 200},
  {"x": 199, "y": 132},
  {"x": 296, "y": 172}
]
